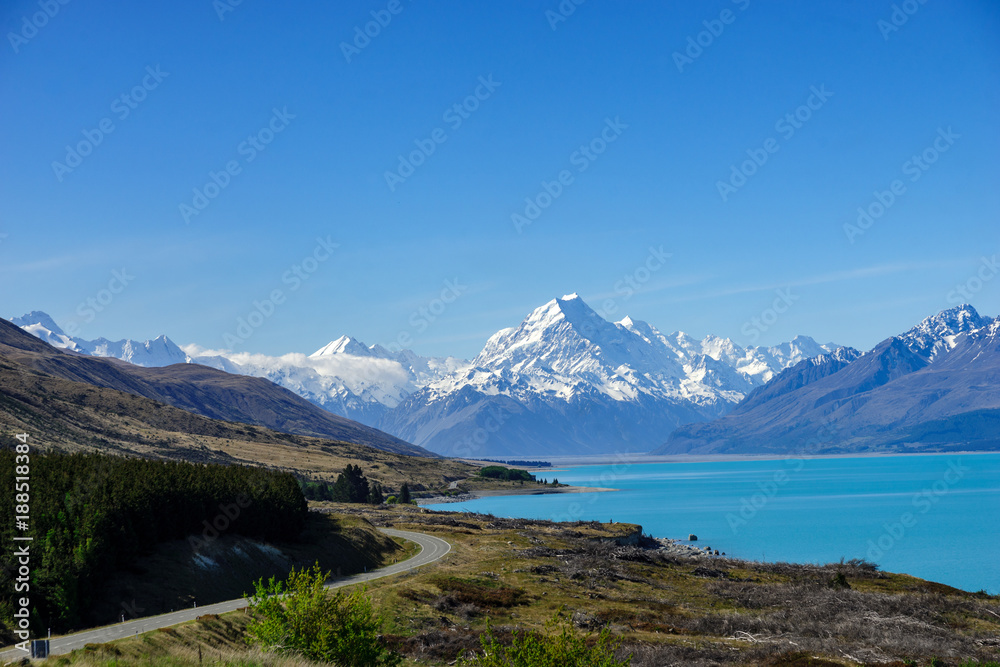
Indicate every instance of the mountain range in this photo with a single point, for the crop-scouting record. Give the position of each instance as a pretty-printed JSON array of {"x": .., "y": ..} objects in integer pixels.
[
  {"x": 567, "y": 382},
  {"x": 935, "y": 387},
  {"x": 564, "y": 381}
]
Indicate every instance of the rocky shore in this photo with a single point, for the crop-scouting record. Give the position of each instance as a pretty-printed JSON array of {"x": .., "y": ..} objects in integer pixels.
[{"x": 682, "y": 548}]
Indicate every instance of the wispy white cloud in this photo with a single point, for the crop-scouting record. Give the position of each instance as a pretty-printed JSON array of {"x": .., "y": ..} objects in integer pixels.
[{"x": 876, "y": 271}]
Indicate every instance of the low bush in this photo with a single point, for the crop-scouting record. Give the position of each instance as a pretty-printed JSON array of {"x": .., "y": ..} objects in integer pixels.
[
  {"x": 481, "y": 592},
  {"x": 560, "y": 646},
  {"x": 303, "y": 617}
]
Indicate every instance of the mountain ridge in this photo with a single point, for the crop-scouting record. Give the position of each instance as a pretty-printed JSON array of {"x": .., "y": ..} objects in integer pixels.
[
  {"x": 632, "y": 382},
  {"x": 196, "y": 389},
  {"x": 942, "y": 375}
]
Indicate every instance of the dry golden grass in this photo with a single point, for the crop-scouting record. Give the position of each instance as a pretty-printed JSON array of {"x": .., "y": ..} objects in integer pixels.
[
  {"x": 73, "y": 416},
  {"x": 211, "y": 640},
  {"x": 670, "y": 610}
]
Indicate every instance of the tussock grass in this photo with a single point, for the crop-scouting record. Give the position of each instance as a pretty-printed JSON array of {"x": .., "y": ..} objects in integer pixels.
[
  {"x": 674, "y": 610},
  {"x": 210, "y": 640}
]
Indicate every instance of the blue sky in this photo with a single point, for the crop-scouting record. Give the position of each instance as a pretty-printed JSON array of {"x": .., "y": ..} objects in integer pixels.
[{"x": 201, "y": 90}]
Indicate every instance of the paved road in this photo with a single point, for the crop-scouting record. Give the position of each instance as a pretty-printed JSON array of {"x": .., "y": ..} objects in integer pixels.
[{"x": 431, "y": 549}]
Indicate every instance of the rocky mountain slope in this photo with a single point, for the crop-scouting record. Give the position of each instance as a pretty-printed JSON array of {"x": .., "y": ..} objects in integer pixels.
[
  {"x": 935, "y": 387},
  {"x": 566, "y": 381}
]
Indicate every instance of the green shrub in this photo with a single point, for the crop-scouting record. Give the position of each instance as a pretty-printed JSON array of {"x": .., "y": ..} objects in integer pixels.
[
  {"x": 560, "y": 646},
  {"x": 302, "y": 616}
]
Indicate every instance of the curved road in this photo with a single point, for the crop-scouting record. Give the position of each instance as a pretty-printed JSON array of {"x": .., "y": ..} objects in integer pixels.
[{"x": 431, "y": 549}]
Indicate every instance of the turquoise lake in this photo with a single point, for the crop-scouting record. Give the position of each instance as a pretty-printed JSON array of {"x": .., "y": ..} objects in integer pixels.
[{"x": 936, "y": 517}]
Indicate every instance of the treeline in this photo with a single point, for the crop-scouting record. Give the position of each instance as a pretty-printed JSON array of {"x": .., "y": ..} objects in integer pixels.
[
  {"x": 508, "y": 474},
  {"x": 351, "y": 487},
  {"x": 92, "y": 515},
  {"x": 519, "y": 462}
]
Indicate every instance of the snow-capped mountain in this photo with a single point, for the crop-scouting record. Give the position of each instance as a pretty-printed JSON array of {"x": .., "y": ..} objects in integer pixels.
[
  {"x": 566, "y": 381},
  {"x": 563, "y": 381},
  {"x": 345, "y": 376},
  {"x": 932, "y": 388},
  {"x": 42, "y": 326},
  {"x": 160, "y": 351},
  {"x": 939, "y": 333}
]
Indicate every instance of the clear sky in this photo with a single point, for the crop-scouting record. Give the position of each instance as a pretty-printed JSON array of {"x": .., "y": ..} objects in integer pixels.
[{"x": 643, "y": 109}]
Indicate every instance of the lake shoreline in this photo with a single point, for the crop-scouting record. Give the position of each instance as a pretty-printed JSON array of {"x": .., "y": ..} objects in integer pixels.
[
  {"x": 526, "y": 491},
  {"x": 559, "y": 463},
  {"x": 896, "y": 511}
]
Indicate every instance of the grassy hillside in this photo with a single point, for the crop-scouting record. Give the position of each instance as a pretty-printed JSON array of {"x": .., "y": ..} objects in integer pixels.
[
  {"x": 196, "y": 389},
  {"x": 74, "y": 416},
  {"x": 671, "y": 610}
]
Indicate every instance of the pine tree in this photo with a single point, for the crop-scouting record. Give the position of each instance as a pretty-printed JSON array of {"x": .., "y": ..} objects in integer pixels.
[
  {"x": 351, "y": 486},
  {"x": 404, "y": 494}
]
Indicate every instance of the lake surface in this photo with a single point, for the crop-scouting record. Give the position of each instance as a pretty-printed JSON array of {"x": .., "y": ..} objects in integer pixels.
[{"x": 936, "y": 517}]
